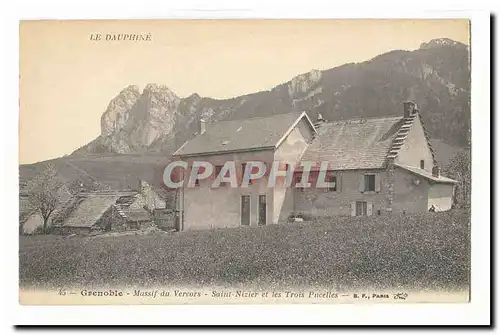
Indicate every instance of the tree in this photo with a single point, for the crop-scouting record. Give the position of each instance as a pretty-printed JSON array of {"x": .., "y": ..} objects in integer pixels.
[
  {"x": 43, "y": 193},
  {"x": 459, "y": 168}
]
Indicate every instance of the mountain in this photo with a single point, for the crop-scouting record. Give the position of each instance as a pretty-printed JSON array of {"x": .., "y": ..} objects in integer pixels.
[{"x": 436, "y": 76}]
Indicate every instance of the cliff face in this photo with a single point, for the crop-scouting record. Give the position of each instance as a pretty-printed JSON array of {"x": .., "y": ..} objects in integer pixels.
[
  {"x": 436, "y": 77},
  {"x": 134, "y": 120}
]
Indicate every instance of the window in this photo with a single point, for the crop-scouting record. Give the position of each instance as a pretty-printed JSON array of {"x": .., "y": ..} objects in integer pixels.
[
  {"x": 422, "y": 164},
  {"x": 361, "y": 207},
  {"x": 369, "y": 182},
  {"x": 332, "y": 180}
]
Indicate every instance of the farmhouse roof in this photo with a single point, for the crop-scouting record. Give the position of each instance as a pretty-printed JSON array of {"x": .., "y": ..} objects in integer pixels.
[
  {"x": 426, "y": 174},
  {"x": 134, "y": 215},
  {"x": 86, "y": 208},
  {"x": 90, "y": 209},
  {"x": 364, "y": 143},
  {"x": 354, "y": 144},
  {"x": 242, "y": 135}
]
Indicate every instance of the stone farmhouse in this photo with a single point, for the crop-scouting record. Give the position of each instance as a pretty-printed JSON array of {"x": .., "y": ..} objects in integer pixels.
[
  {"x": 375, "y": 166},
  {"x": 104, "y": 210},
  {"x": 109, "y": 210}
]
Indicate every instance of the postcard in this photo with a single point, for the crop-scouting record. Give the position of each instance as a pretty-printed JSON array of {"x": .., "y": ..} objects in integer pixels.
[{"x": 215, "y": 162}]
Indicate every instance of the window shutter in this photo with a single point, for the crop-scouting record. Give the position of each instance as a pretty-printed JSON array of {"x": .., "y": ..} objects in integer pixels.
[
  {"x": 377, "y": 182},
  {"x": 369, "y": 210},
  {"x": 361, "y": 185},
  {"x": 353, "y": 208},
  {"x": 339, "y": 182}
]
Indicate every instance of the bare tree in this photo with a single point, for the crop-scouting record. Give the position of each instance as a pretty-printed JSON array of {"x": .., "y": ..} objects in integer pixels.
[{"x": 42, "y": 193}]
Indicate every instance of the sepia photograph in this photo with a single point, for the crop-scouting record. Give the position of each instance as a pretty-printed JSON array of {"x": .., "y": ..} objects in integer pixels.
[{"x": 285, "y": 161}]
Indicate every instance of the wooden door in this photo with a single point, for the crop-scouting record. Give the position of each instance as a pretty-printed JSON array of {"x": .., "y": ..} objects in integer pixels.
[
  {"x": 245, "y": 210},
  {"x": 262, "y": 210}
]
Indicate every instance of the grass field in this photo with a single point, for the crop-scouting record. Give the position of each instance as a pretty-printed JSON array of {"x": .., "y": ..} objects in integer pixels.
[{"x": 428, "y": 251}]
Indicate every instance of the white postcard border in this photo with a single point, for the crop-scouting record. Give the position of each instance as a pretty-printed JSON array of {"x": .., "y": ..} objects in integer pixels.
[{"x": 476, "y": 312}]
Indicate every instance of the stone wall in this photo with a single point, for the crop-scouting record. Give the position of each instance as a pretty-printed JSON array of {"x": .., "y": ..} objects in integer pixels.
[
  {"x": 322, "y": 202},
  {"x": 400, "y": 192},
  {"x": 111, "y": 220},
  {"x": 165, "y": 219}
]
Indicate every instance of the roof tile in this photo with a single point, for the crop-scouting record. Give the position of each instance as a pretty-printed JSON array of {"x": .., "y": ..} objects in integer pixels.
[
  {"x": 426, "y": 174},
  {"x": 236, "y": 135},
  {"x": 354, "y": 144}
]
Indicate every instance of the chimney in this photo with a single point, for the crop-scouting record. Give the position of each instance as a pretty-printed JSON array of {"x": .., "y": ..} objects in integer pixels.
[
  {"x": 203, "y": 126},
  {"x": 319, "y": 121},
  {"x": 140, "y": 185},
  {"x": 436, "y": 171},
  {"x": 410, "y": 108}
]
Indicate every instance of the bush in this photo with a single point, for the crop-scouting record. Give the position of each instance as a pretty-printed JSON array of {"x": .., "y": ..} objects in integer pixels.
[
  {"x": 39, "y": 231},
  {"x": 303, "y": 216}
]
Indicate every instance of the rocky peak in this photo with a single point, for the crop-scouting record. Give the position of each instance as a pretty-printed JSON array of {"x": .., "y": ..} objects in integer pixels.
[
  {"x": 160, "y": 91},
  {"x": 117, "y": 112},
  {"x": 439, "y": 42},
  {"x": 159, "y": 97},
  {"x": 303, "y": 83},
  {"x": 134, "y": 120},
  {"x": 132, "y": 89}
]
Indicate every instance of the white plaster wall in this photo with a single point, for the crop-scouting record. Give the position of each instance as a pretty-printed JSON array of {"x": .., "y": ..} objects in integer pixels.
[
  {"x": 289, "y": 152},
  {"x": 415, "y": 148},
  {"x": 441, "y": 196},
  {"x": 206, "y": 207},
  {"x": 32, "y": 223},
  {"x": 411, "y": 192}
]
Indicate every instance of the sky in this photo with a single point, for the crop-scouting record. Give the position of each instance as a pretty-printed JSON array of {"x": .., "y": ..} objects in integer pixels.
[{"x": 67, "y": 79}]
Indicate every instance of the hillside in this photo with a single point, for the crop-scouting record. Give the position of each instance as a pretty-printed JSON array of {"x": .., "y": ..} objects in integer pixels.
[
  {"x": 112, "y": 170},
  {"x": 436, "y": 76}
]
